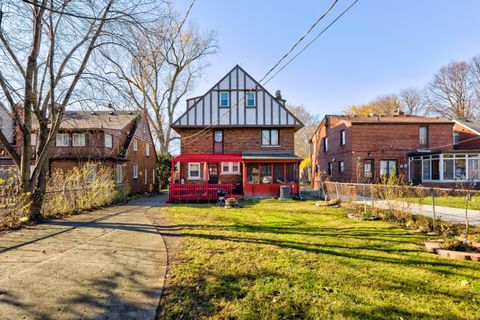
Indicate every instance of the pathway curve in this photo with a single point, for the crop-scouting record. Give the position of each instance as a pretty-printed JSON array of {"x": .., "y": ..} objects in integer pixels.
[{"x": 107, "y": 264}]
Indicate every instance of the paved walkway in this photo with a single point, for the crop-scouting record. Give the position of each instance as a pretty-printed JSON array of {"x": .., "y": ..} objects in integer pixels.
[
  {"x": 107, "y": 264},
  {"x": 448, "y": 214}
]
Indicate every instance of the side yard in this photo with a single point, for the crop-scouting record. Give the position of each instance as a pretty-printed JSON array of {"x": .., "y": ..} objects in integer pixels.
[{"x": 293, "y": 260}]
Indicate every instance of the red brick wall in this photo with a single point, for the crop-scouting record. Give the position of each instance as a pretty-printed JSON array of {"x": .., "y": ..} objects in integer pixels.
[
  {"x": 469, "y": 140},
  {"x": 381, "y": 141},
  {"x": 236, "y": 140}
]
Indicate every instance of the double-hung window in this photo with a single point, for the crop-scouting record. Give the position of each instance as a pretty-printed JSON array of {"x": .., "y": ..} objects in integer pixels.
[
  {"x": 224, "y": 99},
  {"x": 342, "y": 137},
  {"x": 388, "y": 167},
  {"x": 341, "y": 166},
  {"x": 135, "y": 170},
  {"x": 108, "y": 140},
  {"x": 146, "y": 176},
  {"x": 230, "y": 168},
  {"x": 62, "y": 139},
  {"x": 325, "y": 144},
  {"x": 423, "y": 136},
  {"x": 250, "y": 99},
  {"x": 119, "y": 173},
  {"x": 330, "y": 168},
  {"x": 135, "y": 145},
  {"x": 456, "y": 137},
  {"x": 78, "y": 140},
  {"x": 270, "y": 137},
  {"x": 194, "y": 171},
  {"x": 147, "y": 149}
]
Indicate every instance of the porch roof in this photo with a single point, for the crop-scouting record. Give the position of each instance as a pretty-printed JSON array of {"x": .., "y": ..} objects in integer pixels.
[
  {"x": 207, "y": 158},
  {"x": 270, "y": 155}
]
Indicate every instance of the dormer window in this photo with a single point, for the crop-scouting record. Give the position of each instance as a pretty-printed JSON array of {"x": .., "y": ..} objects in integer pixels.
[
  {"x": 250, "y": 99},
  {"x": 108, "y": 140},
  {"x": 224, "y": 99},
  {"x": 78, "y": 140},
  {"x": 62, "y": 139},
  {"x": 135, "y": 145}
]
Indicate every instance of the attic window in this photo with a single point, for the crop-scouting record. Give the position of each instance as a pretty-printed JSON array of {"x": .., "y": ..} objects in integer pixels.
[
  {"x": 224, "y": 99},
  {"x": 250, "y": 99}
]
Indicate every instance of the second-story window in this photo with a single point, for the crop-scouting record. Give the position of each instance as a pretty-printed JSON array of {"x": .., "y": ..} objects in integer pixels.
[
  {"x": 423, "y": 136},
  {"x": 135, "y": 145},
  {"x": 78, "y": 140},
  {"x": 330, "y": 168},
  {"x": 270, "y": 137},
  {"x": 341, "y": 166},
  {"x": 218, "y": 141},
  {"x": 456, "y": 137},
  {"x": 224, "y": 99},
  {"x": 325, "y": 144},
  {"x": 147, "y": 149},
  {"x": 108, "y": 140},
  {"x": 62, "y": 139},
  {"x": 250, "y": 99},
  {"x": 342, "y": 137},
  {"x": 135, "y": 170}
]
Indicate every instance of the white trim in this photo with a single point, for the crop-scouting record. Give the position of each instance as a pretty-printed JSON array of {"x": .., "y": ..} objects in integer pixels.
[
  {"x": 135, "y": 170},
  {"x": 230, "y": 168},
  {"x": 254, "y": 100},
  {"x": 147, "y": 149},
  {"x": 60, "y": 138},
  {"x": 108, "y": 140},
  {"x": 465, "y": 126},
  {"x": 190, "y": 164},
  {"x": 135, "y": 145},
  {"x": 118, "y": 173}
]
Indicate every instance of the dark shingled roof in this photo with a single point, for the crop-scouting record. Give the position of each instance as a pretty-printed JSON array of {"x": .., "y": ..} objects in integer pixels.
[
  {"x": 95, "y": 120},
  {"x": 390, "y": 119},
  {"x": 472, "y": 124}
]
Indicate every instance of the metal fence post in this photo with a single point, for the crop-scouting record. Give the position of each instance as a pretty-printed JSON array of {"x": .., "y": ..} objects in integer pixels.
[
  {"x": 433, "y": 209},
  {"x": 469, "y": 196}
]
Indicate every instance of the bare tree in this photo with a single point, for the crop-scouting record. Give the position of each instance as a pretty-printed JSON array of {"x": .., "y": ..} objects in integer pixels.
[
  {"x": 303, "y": 136},
  {"x": 412, "y": 101},
  {"x": 46, "y": 50},
  {"x": 164, "y": 67},
  {"x": 450, "y": 94},
  {"x": 475, "y": 78}
]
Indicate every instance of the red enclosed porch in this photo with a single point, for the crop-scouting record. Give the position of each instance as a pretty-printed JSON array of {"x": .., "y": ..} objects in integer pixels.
[{"x": 198, "y": 177}]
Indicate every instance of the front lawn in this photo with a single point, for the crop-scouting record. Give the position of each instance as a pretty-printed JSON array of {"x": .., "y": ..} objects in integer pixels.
[{"x": 293, "y": 260}]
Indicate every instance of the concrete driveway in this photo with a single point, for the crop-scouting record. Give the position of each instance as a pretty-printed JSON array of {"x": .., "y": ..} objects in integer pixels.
[{"x": 107, "y": 264}]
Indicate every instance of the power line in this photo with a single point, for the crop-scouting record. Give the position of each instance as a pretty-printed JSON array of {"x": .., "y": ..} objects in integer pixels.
[
  {"x": 313, "y": 40},
  {"x": 301, "y": 39},
  {"x": 181, "y": 26},
  {"x": 283, "y": 67}
]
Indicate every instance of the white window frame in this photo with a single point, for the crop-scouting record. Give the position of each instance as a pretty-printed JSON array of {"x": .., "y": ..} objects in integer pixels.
[
  {"x": 61, "y": 141},
  {"x": 254, "y": 99},
  {"x": 135, "y": 145},
  {"x": 147, "y": 149},
  {"x": 190, "y": 165},
  {"x": 135, "y": 170},
  {"x": 342, "y": 137},
  {"x": 228, "y": 99},
  {"x": 456, "y": 137},
  {"x": 119, "y": 173},
  {"x": 83, "y": 142},
  {"x": 230, "y": 168},
  {"x": 341, "y": 166},
  {"x": 108, "y": 140}
]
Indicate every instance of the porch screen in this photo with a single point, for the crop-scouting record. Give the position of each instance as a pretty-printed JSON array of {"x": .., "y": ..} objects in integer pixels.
[
  {"x": 252, "y": 173},
  {"x": 278, "y": 173},
  {"x": 265, "y": 173},
  {"x": 291, "y": 172}
]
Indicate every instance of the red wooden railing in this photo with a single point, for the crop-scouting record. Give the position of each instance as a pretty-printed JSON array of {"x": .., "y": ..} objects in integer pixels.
[{"x": 197, "y": 191}]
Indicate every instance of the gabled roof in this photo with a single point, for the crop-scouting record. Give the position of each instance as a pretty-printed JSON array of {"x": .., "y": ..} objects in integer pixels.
[
  {"x": 473, "y": 125},
  {"x": 95, "y": 120},
  {"x": 205, "y": 111}
]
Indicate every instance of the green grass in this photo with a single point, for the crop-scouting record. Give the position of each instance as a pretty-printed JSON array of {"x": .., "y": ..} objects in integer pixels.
[
  {"x": 447, "y": 201},
  {"x": 293, "y": 260}
]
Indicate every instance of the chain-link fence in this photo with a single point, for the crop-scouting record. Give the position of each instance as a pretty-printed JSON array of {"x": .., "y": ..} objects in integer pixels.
[{"x": 455, "y": 206}]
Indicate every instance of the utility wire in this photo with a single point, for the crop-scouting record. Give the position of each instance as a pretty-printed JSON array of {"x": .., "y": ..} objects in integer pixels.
[
  {"x": 313, "y": 40},
  {"x": 74, "y": 15},
  {"x": 276, "y": 73},
  {"x": 300, "y": 40}
]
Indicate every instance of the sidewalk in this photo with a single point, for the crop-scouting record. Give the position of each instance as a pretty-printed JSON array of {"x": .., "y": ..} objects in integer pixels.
[{"x": 107, "y": 264}]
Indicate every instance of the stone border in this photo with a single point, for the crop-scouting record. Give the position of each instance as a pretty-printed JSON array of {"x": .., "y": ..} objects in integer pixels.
[
  {"x": 435, "y": 247},
  {"x": 354, "y": 217}
]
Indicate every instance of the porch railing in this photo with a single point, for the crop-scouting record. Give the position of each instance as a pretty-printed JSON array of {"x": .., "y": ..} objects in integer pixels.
[{"x": 197, "y": 191}]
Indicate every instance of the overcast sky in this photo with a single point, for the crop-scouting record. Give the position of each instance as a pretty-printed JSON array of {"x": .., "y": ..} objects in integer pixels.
[{"x": 378, "y": 47}]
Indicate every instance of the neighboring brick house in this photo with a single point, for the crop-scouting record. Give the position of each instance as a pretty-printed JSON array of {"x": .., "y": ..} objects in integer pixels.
[
  {"x": 7, "y": 127},
  {"x": 118, "y": 139},
  {"x": 236, "y": 137},
  {"x": 466, "y": 134},
  {"x": 363, "y": 149}
]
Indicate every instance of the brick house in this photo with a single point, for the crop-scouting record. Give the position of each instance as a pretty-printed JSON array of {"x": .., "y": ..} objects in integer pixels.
[
  {"x": 7, "y": 127},
  {"x": 118, "y": 139},
  {"x": 363, "y": 149},
  {"x": 236, "y": 137}
]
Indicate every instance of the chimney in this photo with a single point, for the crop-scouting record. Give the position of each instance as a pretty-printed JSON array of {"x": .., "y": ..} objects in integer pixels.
[
  {"x": 398, "y": 113},
  {"x": 278, "y": 96}
]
